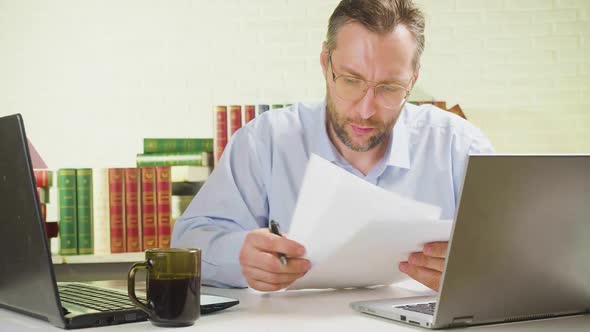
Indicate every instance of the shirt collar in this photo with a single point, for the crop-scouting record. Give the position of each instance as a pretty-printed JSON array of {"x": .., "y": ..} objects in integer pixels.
[{"x": 397, "y": 153}]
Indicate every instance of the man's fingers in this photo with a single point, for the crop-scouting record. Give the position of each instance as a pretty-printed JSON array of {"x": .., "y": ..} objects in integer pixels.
[
  {"x": 269, "y": 277},
  {"x": 265, "y": 287},
  {"x": 270, "y": 262},
  {"x": 428, "y": 277},
  {"x": 436, "y": 249},
  {"x": 434, "y": 263},
  {"x": 266, "y": 241}
]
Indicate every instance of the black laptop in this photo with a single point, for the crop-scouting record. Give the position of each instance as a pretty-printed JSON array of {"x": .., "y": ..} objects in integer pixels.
[{"x": 27, "y": 279}]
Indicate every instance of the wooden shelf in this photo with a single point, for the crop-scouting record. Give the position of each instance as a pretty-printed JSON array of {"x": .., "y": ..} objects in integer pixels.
[{"x": 128, "y": 257}]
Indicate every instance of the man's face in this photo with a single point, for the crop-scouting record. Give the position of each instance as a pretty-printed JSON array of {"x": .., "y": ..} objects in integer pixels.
[{"x": 364, "y": 124}]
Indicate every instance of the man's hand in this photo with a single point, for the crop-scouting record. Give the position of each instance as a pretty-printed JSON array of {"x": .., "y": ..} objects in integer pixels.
[
  {"x": 427, "y": 266},
  {"x": 262, "y": 268}
]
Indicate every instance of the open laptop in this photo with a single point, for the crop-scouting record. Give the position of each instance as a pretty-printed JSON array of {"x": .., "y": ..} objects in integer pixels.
[
  {"x": 27, "y": 278},
  {"x": 519, "y": 249}
]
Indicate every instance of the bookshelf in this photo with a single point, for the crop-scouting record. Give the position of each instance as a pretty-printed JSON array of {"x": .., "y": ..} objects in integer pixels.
[
  {"x": 95, "y": 267},
  {"x": 127, "y": 257}
]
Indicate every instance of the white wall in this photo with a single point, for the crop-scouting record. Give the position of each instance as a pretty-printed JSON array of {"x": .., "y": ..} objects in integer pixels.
[{"x": 92, "y": 78}]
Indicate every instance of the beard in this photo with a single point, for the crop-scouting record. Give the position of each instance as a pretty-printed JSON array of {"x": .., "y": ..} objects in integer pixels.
[{"x": 340, "y": 124}]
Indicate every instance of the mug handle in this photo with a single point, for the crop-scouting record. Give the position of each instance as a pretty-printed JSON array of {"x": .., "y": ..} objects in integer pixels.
[{"x": 131, "y": 287}]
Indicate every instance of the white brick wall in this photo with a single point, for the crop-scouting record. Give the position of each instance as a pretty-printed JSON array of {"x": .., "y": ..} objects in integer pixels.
[{"x": 94, "y": 77}]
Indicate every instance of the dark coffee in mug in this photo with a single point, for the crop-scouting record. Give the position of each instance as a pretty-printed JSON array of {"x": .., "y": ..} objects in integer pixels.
[
  {"x": 173, "y": 287},
  {"x": 175, "y": 299}
]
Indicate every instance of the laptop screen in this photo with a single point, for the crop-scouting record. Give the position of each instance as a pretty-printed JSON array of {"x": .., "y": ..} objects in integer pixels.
[{"x": 27, "y": 281}]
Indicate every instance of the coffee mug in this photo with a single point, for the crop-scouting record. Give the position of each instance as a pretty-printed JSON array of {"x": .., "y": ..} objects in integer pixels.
[{"x": 173, "y": 286}]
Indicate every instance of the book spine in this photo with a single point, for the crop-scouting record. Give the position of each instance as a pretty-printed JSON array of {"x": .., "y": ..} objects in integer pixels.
[
  {"x": 220, "y": 131},
  {"x": 117, "y": 210},
  {"x": 66, "y": 183},
  {"x": 163, "y": 194},
  {"x": 175, "y": 145},
  {"x": 261, "y": 109},
  {"x": 43, "y": 178},
  {"x": 276, "y": 106},
  {"x": 148, "y": 207},
  {"x": 84, "y": 211},
  {"x": 132, "y": 209},
  {"x": 178, "y": 204},
  {"x": 43, "y": 194},
  {"x": 100, "y": 210},
  {"x": 200, "y": 159},
  {"x": 44, "y": 211},
  {"x": 235, "y": 119},
  {"x": 249, "y": 113}
]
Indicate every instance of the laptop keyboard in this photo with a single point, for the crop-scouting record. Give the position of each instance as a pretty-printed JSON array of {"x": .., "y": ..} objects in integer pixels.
[
  {"x": 423, "y": 308},
  {"x": 96, "y": 298}
]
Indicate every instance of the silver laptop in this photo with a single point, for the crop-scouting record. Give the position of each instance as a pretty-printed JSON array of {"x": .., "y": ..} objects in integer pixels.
[{"x": 519, "y": 249}]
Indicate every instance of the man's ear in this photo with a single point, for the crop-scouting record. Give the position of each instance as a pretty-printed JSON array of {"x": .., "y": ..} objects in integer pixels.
[
  {"x": 415, "y": 77},
  {"x": 324, "y": 58}
]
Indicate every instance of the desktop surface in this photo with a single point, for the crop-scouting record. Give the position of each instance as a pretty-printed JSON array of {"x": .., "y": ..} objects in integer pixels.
[{"x": 322, "y": 310}]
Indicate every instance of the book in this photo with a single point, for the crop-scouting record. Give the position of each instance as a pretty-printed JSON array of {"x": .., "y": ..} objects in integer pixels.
[
  {"x": 68, "y": 233},
  {"x": 148, "y": 207},
  {"x": 84, "y": 211},
  {"x": 261, "y": 109},
  {"x": 100, "y": 210},
  {"x": 235, "y": 119},
  {"x": 43, "y": 194},
  {"x": 44, "y": 211},
  {"x": 117, "y": 210},
  {"x": 275, "y": 106},
  {"x": 176, "y": 145},
  {"x": 220, "y": 131},
  {"x": 178, "y": 205},
  {"x": 249, "y": 113},
  {"x": 132, "y": 231},
  {"x": 43, "y": 178},
  {"x": 186, "y": 188},
  {"x": 174, "y": 159},
  {"x": 163, "y": 206},
  {"x": 189, "y": 173}
]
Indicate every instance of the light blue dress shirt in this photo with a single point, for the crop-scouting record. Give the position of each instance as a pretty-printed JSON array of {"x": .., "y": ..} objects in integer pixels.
[{"x": 260, "y": 174}]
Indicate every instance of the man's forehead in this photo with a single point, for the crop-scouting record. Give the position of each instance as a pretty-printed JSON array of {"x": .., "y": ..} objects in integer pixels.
[{"x": 359, "y": 49}]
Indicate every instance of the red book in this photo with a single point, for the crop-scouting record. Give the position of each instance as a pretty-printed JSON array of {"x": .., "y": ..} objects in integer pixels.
[
  {"x": 148, "y": 208},
  {"x": 249, "y": 113},
  {"x": 116, "y": 209},
  {"x": 163, "y": 190},
  {"x": 235, "y": 118},
  {"x": 220, "y": 130},
  {"x": 132, "y": 209},
  {"x": 43, "y": 178}
]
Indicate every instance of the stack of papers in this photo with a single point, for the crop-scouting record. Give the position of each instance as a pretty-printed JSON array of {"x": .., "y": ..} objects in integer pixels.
[{"x": 356, "y": 233}]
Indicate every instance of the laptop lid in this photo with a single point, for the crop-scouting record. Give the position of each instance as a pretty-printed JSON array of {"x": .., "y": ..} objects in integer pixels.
[
  {"x": 520, "y": 242},
  {"x": 27, "y": 281}
]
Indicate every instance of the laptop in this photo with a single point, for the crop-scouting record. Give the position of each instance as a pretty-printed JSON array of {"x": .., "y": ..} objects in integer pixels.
[
  {"x": 519, "y": 247},
  {"x": 27, "y": 279}
]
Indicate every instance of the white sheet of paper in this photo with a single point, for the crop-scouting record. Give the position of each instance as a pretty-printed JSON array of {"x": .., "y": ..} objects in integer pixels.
[{"x": 354, "y": 232}]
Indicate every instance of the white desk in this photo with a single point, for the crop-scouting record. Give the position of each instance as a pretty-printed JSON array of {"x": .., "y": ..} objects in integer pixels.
[{"x": 298, "y": 311}]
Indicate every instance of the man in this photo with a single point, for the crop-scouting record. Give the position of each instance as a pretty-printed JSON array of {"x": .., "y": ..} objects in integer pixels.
[{"x": 370, "y": 61}]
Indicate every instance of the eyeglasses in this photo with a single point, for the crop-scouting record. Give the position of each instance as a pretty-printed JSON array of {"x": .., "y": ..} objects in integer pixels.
[{"x": 351, "y": 88}]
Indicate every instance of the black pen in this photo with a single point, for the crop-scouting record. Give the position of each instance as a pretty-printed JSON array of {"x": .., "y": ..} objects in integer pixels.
[{"x": 273, "y": 226}]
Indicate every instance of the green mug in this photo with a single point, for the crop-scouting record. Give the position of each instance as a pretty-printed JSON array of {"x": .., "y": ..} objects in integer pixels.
[{"x": 173, "y": 286}]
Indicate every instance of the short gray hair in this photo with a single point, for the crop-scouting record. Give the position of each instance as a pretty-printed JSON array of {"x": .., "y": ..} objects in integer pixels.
[{"x": 381, "y": 17}]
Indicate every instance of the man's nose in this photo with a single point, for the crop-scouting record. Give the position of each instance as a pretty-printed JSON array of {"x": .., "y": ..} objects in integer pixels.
[{"x": 366, "y": 106}]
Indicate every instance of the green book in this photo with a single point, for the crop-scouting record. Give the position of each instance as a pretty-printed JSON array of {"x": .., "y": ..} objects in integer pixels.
[
  {"x": 43, "y": 195},
  {"x": 177, "y": 145},
  {"x": 84, "y": 211},
  {"x": 177, "y": 159},
  {"x": 274, "y": 106},
  {"x": 68, "y": 236}
]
